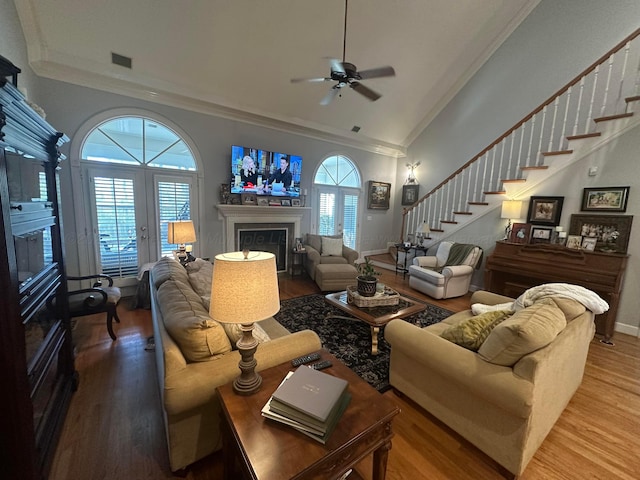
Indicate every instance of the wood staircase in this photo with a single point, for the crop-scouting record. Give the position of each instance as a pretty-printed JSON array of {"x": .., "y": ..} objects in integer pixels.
[{"x": 557, "y": 134}]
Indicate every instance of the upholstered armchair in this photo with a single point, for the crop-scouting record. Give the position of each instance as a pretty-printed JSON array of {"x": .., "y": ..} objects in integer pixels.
[
  {"x": 446, "y": 274},
  {"x": 329, "y": 250}
]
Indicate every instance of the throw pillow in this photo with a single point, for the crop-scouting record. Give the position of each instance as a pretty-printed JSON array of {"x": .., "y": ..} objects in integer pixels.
[
  {"x": 199, "y": 337},
  {"x": 331, "y": 247},
  {"x": 472, "y": 332},
  {"x": 527, "y": 330},
  {"x": 200, "y": 274},
  {"x": 234, "y": 332}
]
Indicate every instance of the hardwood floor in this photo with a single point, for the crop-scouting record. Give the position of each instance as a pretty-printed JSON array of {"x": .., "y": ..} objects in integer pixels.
[{"x": 114, "y": 428}]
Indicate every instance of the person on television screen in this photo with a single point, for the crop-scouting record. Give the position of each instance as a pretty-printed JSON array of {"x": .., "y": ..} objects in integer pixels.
[
  {"x": 282, "y": 175},
  {"x": 248, "y": 172}
]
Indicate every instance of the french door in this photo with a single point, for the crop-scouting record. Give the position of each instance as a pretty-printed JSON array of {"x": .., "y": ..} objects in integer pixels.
[
  {"x": 130, "y": 210},
  {"x": 338, "y": 213}
]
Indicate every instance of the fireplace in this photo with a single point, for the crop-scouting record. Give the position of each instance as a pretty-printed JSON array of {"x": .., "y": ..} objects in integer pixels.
[
  {"x": 270, "y": 239},
  {"x": 258, "y": 224}
]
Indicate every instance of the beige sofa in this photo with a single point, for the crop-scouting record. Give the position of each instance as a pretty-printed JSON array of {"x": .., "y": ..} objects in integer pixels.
[
  {"x": 504, "y": 410},
  {"x": 194, "y": 355}
]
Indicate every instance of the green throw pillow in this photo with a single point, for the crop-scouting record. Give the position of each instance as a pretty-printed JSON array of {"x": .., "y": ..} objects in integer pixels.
[{"x": 472, "y": 332}]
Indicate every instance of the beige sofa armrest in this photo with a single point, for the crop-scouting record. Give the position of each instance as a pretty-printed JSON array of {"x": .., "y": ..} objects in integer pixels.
[
  {"x": 350, "y": 254},
  {"x": 494, "y": 383},
  {"x": 312, "y": 260},
  {"x": 194, "y": 386},
  {"x": 426, "y": 261},
  {"x": 457, "y": 271},
  {"x": 489, "y": 298}
]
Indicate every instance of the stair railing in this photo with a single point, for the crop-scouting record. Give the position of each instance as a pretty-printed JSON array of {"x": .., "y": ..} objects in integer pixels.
[{"x": 600, "y": 92}]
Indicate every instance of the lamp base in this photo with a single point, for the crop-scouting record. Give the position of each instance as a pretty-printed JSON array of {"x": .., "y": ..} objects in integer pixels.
[{"x": 249, "y": 382}]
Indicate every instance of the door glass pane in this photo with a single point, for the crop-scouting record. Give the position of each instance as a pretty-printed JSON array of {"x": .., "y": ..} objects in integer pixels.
[
  {"x": 350, "y": 220},
  {"x": 326, "y": 224},
  {"x": 173, "y": 204},
  {"x": 116, "y": 226}
]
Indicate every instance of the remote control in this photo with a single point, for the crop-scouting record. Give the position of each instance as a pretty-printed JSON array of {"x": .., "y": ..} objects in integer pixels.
[
  {"x": 321, "y": 365},
  {"x": 305, "y": 359}
]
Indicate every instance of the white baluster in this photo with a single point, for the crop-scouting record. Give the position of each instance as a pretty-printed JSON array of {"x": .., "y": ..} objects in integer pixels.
[
  {"x": 519, "y": 162},
  {"x": 593, "y": 96},
  {"x": 533, "y": 127},
  {"x": 606, "y": 87},
  {"x": 542, "y": 123},
  {"x": 553, "y": 124},
  {"x": 564, "y": 120},
  {"x": 579, "y": 106},
  {"x": 619, "y": 99}
]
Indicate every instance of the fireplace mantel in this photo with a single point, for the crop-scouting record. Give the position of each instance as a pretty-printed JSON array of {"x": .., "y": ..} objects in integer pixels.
[{"x": 252, "y": 214}]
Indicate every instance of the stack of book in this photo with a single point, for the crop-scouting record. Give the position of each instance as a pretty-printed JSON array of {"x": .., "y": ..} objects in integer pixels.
[{"x": 310, "y": 401}]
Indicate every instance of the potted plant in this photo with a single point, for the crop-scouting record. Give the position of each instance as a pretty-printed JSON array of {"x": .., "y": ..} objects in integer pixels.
[{"x": 367, "y": 281}]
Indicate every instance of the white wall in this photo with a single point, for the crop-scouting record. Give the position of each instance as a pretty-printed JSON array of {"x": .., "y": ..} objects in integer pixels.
[
  {"x": 558, "y": 40},
  {"x": 13, "y": 47},
  {"x": 69, "y": 106}
]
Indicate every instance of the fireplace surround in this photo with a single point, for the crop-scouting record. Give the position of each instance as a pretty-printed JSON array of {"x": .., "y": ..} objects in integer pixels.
[{"x": 256, "y": 219}]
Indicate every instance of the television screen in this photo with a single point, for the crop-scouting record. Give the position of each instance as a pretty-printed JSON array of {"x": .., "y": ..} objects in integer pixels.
[{"x": 265, "y": 173}]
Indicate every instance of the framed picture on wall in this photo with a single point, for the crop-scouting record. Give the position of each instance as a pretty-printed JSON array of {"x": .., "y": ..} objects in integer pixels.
[
  {"x": 609, "y": 199},
  {"x": 379, "y": 194},
  {"x": 410, "y": 194},
  {"x": 545, "y": 210}
]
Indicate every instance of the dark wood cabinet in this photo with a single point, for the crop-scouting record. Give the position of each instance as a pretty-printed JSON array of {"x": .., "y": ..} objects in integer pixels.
[
  {"x": 37, "y": 373},
  {"x": 513, "y": 268}
]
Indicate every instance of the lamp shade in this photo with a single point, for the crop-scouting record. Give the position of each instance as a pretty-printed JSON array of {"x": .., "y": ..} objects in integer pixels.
[
  {"x": 244, "y": 290},
  {"x": 181, "y": 232},
  {"x": 424, "y": 229},
  {"x": 511, "y": 209}
]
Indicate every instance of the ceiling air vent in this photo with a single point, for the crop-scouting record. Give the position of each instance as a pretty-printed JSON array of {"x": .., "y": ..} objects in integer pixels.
[
  {"x": 120, "y": 60},
  {"x": 355, "y": 129}
]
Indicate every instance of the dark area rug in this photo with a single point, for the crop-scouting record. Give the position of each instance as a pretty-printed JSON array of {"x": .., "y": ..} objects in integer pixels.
[{"x": 349, "y": 340}]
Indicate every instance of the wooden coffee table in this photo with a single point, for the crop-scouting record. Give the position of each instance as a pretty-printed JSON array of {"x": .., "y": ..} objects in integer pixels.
[
  {"x": 376, "y": 317},
  {"x": 258, "y": 448}
]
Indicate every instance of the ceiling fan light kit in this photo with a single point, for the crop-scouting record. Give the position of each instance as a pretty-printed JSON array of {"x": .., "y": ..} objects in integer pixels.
[{"x": 346, "y": 74}]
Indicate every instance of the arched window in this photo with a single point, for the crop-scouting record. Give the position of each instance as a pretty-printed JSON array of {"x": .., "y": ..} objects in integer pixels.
[
  {"x": 141, "y": 174},
  {"x": 338, "y": 184}
]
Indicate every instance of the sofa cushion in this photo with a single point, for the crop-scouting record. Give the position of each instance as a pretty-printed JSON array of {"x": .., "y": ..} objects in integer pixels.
[
  {"x": 234, "y": 332},
  {"x": 200, "y": 273},
  {"x": 472, "y": 332},
  {"x": 168, "y": 269},
  {"x": 199, "y": 337},
  {"x": 527, "y": 330},
  {"x": 315, "y": 241},
  {"x": 331, "y": 247}
]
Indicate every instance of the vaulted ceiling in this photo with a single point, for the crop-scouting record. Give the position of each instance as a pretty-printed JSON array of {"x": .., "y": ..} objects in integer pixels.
[{"x": 235, "y": 58}]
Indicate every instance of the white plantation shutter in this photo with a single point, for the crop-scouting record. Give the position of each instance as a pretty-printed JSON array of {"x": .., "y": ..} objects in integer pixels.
[
  {"x": 326, "y": 225},
  {"x": 46, "y": 233},
  {"x": 174, "y": 203},
  {"x": 350, "y": 220},
  {"x": 116, "y": 225}
]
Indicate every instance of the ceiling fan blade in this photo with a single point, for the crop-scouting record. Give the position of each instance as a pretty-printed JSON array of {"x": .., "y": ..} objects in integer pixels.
[
  {"x": 336, "y": 65},
  {"x": 377, "y": 72},
  {"x": 317, "y": 79},
  {"x": 367, "y": 92},
  {"x": 330, "y": 96}
]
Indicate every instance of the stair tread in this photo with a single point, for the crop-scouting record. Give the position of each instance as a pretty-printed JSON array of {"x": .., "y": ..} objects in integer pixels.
[
  {"x": 498, "y": 192},
  {"x": 463, "y": 213},
  {"x": 449, "y": 221},
  {"x": 535, "y": 167},
  {"x": 478, "y": 203},
  {"x": 584, "y": 135},
  {"x": 634, "y": 98},
  {"x": 613, "y": 117},
  {"x": 557, "y": 152},
  {"x": 513, "y": 180}
]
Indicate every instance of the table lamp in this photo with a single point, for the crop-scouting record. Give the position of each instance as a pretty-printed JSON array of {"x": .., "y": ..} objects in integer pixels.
[
  {"x": 244, "y": 290},
  {"x": 180, "y": 233},
  {"x": 510, "y": 209},
  {"x": 423, "y": 232}
]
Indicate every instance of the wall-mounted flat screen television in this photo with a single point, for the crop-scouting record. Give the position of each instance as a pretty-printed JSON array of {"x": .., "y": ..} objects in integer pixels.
[{"x": 264, "y": 172}]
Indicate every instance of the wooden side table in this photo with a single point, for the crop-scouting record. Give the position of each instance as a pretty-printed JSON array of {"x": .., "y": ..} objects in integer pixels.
[
  {"x": 257, "y": 448},
  {"x": 297, "y": 262}
]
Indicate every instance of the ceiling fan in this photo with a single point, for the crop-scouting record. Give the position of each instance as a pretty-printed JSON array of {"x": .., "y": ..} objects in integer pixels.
[{"x": 347, "y": 74}]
